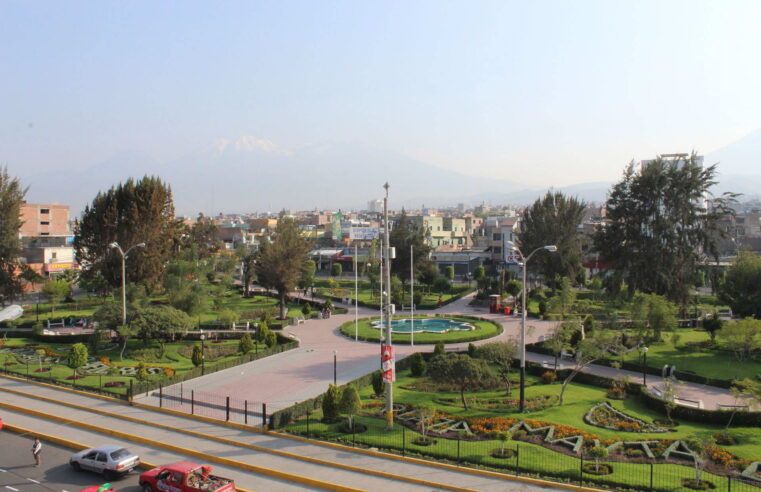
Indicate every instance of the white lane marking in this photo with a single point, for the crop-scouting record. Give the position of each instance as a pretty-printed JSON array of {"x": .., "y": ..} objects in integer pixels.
[
  {"x": 11, "y": 488},
  {"x": 32, "y": 480},
  {"x": 2, "y": 471}
]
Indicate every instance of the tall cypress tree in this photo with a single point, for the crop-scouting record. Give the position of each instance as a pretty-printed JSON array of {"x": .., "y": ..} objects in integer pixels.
[
  {"x": 408, "y": 233},
  {"x": 129, "y": 213},
  {"x": 553, "y": 219},
  {"x": 11, "y": 198},
  {"x": 658, "y": 225}
]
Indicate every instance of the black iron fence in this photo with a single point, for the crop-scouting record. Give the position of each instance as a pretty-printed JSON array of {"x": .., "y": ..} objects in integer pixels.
[{"x": 562, "y": 464}]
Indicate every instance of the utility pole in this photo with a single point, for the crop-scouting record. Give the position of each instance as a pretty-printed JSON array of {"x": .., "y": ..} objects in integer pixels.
[
  {"x": 412, "y": 295},
  {"x": 388, "y": 352}
]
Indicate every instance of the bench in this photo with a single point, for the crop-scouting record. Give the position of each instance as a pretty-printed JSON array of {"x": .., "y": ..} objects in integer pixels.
[
  {"x": 689, "y": 403},
  {"x": 297, "y": 320}
]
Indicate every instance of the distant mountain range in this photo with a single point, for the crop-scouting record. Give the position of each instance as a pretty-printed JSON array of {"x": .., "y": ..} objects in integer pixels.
[{"x": 251, "y": 174}]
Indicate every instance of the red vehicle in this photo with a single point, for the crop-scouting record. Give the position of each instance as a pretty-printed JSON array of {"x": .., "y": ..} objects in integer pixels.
[
  {"x": 184, "y": 477},
  {"x": 106, "y": 487}
]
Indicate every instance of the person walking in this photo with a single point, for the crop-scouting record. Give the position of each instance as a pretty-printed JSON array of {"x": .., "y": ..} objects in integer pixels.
[{"x": 36, "y": 450}]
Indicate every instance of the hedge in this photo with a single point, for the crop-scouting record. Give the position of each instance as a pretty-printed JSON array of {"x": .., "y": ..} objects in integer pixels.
[{"x": 283, "y": 417}]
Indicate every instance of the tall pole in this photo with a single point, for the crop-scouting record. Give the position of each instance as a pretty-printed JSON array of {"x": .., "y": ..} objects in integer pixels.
[
  {"x": 523, "y": 338},
  {"x": 124, "y": 288},
  {"x": 412, "y": 295},
  {"x": 389, "y": 384},
  {"x": 381, "y": 296},
  {"x": 356, "y": 296}
]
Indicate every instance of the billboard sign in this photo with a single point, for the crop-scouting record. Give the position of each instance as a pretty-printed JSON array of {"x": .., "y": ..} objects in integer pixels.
[
  {"x": 364, "y": 233},
  {"x": 512, "y": 257},
  {"x": 387, "y": 364}
]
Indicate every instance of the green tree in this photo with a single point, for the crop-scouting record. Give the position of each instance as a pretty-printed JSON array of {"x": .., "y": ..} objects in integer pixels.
[
  {"x": 228, "y": 317},
  {"x": 500, "y": 355},
  {"x": 598, "y": 453},
  {"x": 504, "y": 436},
  {"x": 408, "y": 233},
  {"x": 190, "y": 297},
  {"x": 554, "y": 219},
  {"x": 417, "y": 365},
  {"x": 712, "y": 324},
  {"x": 248, "y": 262},
  {"x": 281, "y": 262},
  {"x": 449, "y": 272},
  {"x": 669, "y": 394},
  {"x": 563, "y": 299},
  {"x": 657, "y": 225},
  {"x": 307, "y": 275},
  {"x": 377, "y": 382},
  {"x": 653, "y": 314},
  {"x": 270, "y": 340},
  {"x": 748, "y": 389},
  {"x": 426, "y": 414},
  {"x": 442, "y": 285},
  {"x": 11, "y": 198},
  {"x": 741, "y": 337},
  {"x": 350, "y": 404},
  {"x": 588, "y": 351},
  {"x": 197, "y": 355},
  {"x": 700, "y": 447},
  {"x": 559, "y": 339},
  {"x": 128, "y": 214},
  {"x": 741, "y": 288},
  {"x": 513, "y": 288},
  {"x": 109, "y": 317},
  {"x": 30, "y": 276},
  {"x": 204, "y": 236},
  {"x": 160, "y": 323},
  {"x": 331, "y": 400},
  {"x": 262, "y": 331},
  {"x": 459, "y": 369},
  {"x": 54, "y": 290},
  {"x": 246, "y": 345},
  {"x": 77, "y": 357},
  {"x": 438, "y": 349},
  {"x": 142, "y": 372},
  {"x": 336, "y": 270}
]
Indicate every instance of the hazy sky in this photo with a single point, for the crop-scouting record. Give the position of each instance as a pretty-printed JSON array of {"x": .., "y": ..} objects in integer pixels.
[{"x": 554, "y": 92}]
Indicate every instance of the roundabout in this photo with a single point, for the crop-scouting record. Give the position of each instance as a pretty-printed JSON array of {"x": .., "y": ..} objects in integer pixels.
[{"x": 427, "y": 329}]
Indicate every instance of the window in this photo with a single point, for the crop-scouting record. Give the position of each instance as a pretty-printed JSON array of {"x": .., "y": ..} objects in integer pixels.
[
  {"x": 44, "y": 234},
  {"x": 53, "y": 255},
  {"x": 497, "y": 249},
  {"x": 44, "y": 222},
  {"x": 496, "y": 236},
  {"x": 44, "y": 210}
]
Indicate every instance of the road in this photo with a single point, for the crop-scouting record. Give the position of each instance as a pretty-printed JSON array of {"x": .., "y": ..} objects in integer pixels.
[
  {"x": 232, "y": 451},
  {"x": 18, "y": 474}
]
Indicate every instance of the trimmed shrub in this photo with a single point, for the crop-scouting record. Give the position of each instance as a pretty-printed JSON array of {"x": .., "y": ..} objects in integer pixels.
[
  {"x": 377, "y": 382},
  {"x": 331, "y": 401},
  {"x": 418, "y": 365}
]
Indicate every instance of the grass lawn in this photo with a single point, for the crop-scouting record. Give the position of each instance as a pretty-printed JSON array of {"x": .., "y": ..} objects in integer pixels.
[
  {"x": 533, "y": 458},
  {"x": 484, "y": 329},
  {"x": 345, "y": 288},
  {"x": 174, "y": 357},
  {"x": 713, "y": 363}
]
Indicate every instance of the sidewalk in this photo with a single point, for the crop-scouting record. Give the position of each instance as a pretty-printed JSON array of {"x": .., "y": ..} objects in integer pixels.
[{"x": 290, "y": 377}]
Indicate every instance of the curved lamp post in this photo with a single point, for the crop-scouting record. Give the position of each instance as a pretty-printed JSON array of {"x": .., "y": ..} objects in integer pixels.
[
  {"x": 644, "y": 365},
  {"x": 124, "y": 254},
  {"x": 524, "y": 259}
]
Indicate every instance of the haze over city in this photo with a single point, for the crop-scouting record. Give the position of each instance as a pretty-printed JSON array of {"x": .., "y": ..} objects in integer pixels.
[{"x": 230, "y": 102}]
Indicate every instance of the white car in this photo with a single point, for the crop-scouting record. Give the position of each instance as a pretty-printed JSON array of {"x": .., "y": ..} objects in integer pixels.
[{"x": 110, "y": 460}]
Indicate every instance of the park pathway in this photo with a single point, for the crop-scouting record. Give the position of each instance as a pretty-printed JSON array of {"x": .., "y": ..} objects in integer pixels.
[{"x": 290, "y": 377}]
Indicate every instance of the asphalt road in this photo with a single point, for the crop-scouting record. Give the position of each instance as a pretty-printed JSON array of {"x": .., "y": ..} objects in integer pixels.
[{"x": 18, "y": 473}]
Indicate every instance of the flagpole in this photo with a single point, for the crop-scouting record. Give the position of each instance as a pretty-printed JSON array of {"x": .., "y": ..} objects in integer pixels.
[{"x": 412, "y": 295}]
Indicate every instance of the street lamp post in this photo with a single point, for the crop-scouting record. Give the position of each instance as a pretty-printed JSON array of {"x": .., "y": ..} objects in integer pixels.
[
  {"x": 203, "y": 358},
  {"x": 335, "y": 367},
  {"x": 124, "y": 254},
  {"x": 551, "y": 248},
  {"x": 644, "y": 366}
]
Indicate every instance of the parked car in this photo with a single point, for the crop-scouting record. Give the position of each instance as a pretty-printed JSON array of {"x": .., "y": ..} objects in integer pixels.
[
  {"x": 1, "y": 422},
  {"x": 110, "y": 460},
  {"x": 184, "y": 477}
]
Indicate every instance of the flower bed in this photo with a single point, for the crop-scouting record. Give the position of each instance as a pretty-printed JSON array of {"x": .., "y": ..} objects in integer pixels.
[{"x": 605, "y": 416}]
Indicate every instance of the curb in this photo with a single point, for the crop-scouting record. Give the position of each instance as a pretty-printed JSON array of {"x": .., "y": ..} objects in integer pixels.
[
  {"x": 253, "y": 447},
  {"x": 144, "y": 465},
  {"x": 189, "y": 452},
  {"x": 378, "y": 454}
]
